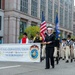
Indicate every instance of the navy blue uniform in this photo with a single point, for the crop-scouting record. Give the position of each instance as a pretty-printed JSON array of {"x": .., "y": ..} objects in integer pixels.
[{"x": 50, "y": 50}]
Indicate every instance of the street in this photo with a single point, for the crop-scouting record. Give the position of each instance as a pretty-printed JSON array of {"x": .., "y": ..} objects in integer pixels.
[{"x": 18, "y": 68}]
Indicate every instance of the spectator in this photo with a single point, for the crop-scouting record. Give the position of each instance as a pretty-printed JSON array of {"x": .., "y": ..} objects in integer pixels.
[{"x": 24, "y": 40}]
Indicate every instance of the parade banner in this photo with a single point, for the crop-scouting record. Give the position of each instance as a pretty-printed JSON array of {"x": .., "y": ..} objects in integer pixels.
[{"x": 20, "y": 52}]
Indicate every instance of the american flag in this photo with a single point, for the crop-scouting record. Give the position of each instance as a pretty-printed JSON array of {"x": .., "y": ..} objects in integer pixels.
[{"x": 43, "y": 27}]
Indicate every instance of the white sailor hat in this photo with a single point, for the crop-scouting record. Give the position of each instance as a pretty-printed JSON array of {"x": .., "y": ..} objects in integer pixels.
[{"x": 49, "y": 28}]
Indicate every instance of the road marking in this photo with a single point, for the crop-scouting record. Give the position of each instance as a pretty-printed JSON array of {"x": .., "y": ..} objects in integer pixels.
[{"x": 7, "y": 67}]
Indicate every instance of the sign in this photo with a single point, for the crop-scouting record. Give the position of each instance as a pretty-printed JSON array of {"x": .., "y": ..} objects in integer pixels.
[{"x": 20, "y": 52}]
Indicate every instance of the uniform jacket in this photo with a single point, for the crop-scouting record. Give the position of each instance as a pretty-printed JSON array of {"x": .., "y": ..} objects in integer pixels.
[{"x": 51, "y": 39}]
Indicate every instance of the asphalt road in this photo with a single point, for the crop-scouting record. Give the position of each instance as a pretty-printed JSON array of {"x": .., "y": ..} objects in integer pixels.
[{"x": 18, "y": 68}]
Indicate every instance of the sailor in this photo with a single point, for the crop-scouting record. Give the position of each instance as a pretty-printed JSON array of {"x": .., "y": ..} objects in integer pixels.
[{"x": 49, "y": 41}]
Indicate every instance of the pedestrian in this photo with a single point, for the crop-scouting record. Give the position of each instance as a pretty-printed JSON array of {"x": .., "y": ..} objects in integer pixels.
[
  {"x": 56, "y": 49},
  {"x": 24, "y": 40},
  {"x": 49, "y": 41}
]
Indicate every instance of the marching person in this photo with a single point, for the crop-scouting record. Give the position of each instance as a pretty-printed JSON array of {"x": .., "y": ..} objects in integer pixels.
[
  {"x": 63, "y": 48},
  {"x": 24, "y": 40},
  {"x": 56, "y": 49},
  {"x": 68, "y": 46},
  {"x": 49, "y": 41}
]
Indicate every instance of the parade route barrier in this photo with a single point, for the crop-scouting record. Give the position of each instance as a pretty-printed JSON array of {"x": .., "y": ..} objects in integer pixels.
[{"x": 20, "y": 52}]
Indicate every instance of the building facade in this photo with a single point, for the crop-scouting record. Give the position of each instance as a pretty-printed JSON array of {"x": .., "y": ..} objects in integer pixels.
[
  {"x": 22, "y": 13},
  {"x": 74, "y": 22},
  {"x": 1, "y": 20}
]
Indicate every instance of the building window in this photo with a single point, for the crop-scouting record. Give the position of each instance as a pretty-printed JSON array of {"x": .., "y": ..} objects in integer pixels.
[
  {"x": 49, "y": 10},
  {"x": 34, "y": 8},
  {"x": 74, "y": 29},
  {"x": 65, "y": 34},
  {"x": 70, "y": 20},
  {"x": 66, "y": 18},
  {"x": 70, "y": 4},
  {"x": 74, "y": 16},
  {"x": 24, "y": 6},
  {"x": 61, "y": 16},
  {"x": 66, "y": 3},
  {"x": 61, "y": 1},
  {"x": 0, "y": 4},
  {"x": 33, "y": 23},
  {"x": 0, "y": 22},
  {"x": 42, "y": 7},
  {"x": 23, "y": 26},
  {"x": 56, "y": 1}
]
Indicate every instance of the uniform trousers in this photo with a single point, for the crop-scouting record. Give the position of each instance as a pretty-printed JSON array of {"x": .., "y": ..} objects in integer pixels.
[
  {"x": 63, "y": 51},
  {"x": 44, "y": 51},
  {"x": 67, "y": 52},
  {"x": 74, "y": 53},
  {"x": 71, "y": 53},
  {"x": 49, "y": 57},
  {"x": 55, "y": 51}
]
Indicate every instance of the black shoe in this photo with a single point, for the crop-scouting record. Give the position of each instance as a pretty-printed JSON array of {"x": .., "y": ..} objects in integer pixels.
[
  {"x": 60, "y": 58},
  {"x": 74, "y": 59},
  {"x": 57, "y": 62},
  {"x": 63, "y": 59},
  {"x": 52, "y": 66},
  {"x": 67, "y": 61},
  {"x": 71, "y": 60},
  {"x": 43, "y": 58},
  {"x": 46, "y": 68}
]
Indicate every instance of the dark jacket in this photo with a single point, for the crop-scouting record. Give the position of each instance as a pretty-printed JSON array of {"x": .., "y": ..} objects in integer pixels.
[
  {"x": 51, "y": 39},
  {"x": 37, "y": 39},
  {"x": 57, "y": 43}
]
